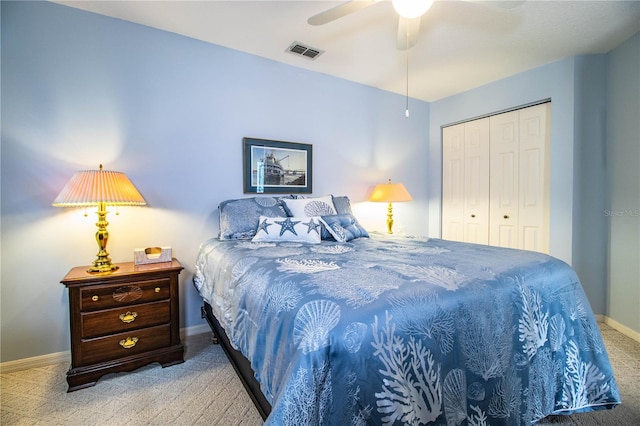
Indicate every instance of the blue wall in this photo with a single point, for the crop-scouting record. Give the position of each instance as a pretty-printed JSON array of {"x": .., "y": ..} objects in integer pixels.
[
  {"x": 79, "y": 89},
  {"x": 589, "y": 185},
  {"x": 554, "y": 81},
  {"x": 594, "y": 112},
  {"x": 622, "y": 213}
]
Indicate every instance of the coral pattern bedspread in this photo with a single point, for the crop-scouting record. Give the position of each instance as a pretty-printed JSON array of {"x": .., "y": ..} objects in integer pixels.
[{"x": 390, "y": 330}]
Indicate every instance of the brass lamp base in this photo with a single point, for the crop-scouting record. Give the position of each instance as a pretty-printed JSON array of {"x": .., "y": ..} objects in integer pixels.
[
  {"x": 102, "y": 262},
  {"x": 389, "y": 219},
  {"x": 102, "y": 266}
]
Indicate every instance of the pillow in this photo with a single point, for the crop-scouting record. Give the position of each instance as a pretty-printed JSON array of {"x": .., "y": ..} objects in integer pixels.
[
  {"x": 344, "y": 227},
  {"x": 299, "y": 229},
  {"x": 342, "y": 204},
  {"x": 239, "y": 218},
  {"x": 317, "y": 206}
]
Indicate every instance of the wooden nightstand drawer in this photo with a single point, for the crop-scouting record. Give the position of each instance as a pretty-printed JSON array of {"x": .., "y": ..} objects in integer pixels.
[
  {"x": 124, "y": 344},
  {"x": 126, "y": 318},
  {"x": 125, "y": 293}
]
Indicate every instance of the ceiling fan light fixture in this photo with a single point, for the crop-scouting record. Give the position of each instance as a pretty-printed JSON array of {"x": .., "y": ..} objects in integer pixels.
[{"x": 411, "y": 9}]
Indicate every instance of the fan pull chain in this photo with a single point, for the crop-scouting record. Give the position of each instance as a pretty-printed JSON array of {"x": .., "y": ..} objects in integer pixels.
[{"x": 406, "y": 112}]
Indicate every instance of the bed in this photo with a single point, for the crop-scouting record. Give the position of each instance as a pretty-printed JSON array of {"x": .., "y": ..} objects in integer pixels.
[{"x": 354, "y": 328}]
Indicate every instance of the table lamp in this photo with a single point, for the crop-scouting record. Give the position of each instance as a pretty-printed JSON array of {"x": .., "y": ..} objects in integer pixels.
[
  {"x": 390, "y": 193},
  {"x": 100, "y": 188}
]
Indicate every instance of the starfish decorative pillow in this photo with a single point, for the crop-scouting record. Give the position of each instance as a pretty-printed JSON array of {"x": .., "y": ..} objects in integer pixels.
[{"x": 298, "y": 229}]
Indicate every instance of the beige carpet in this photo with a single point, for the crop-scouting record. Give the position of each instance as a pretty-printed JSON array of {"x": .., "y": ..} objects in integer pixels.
[{"x": 206, "y": 391}]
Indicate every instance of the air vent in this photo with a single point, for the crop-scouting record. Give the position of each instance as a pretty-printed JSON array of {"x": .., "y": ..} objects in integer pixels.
[{"x": 302, "y": 50}]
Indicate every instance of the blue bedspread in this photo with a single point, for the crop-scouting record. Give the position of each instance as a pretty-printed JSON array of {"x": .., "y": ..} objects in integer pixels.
[{"x": 389, "y": 330}]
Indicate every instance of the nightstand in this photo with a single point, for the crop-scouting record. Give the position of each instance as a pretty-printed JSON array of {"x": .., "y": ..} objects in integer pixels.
[{"x": 122, "y": 320}]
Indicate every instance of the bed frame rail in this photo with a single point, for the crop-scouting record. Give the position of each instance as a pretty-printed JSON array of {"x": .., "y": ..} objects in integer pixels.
[{"x": 239, "y": 362}]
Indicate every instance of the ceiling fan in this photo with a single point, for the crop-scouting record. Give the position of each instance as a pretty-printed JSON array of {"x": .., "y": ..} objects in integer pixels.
[{"x": 409, "y": 11}]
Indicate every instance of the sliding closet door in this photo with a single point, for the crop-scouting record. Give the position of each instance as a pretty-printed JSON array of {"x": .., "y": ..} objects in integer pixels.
[
  {"x": 476, "y": 181},
  {"x": 453, "y": 182},
  {"x": 495, "y": 180},
  {"x": 519, "y": 188},
  {"x": 465, "y": 182},
  {"x": 504, "y": 180},
  {"x": 534, "y": 178}
]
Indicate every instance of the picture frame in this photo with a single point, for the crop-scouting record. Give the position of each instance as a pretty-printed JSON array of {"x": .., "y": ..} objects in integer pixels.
[{"x": 276, "y": 167}]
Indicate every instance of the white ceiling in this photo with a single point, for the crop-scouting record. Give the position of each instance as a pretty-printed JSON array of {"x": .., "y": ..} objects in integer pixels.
[{"x": 462, "y": 44}]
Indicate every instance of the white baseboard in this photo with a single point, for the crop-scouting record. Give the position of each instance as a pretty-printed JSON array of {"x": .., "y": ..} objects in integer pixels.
[
  {"x": 36, "y": 361},
  {"x": 58, "y": 357},
  {"x": 622, "y": 328}
]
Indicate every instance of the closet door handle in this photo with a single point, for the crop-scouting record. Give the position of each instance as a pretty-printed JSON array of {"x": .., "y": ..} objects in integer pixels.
[
  {"x": 506, "y": 216},
  {"x": 473, "y": 215}
]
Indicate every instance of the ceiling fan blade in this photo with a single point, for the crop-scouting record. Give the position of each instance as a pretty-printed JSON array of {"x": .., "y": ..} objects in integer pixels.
[
  {"x": 408, "y": 30},
  {"x": 339, "y": 11}
]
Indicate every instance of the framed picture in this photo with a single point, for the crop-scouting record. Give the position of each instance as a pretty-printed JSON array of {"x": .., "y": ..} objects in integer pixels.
[{"x": 276, "y": 167}]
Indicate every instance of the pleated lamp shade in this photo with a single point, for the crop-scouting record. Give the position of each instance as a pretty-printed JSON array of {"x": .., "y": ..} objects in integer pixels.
[
  {"x": 91, "y": 187},
  {"x": 99, "y": 188},
  {"x": 390, "y": 193}
]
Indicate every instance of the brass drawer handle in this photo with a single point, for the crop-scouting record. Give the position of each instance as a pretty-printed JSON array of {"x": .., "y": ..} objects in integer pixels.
[
  {"x": 95, "y": 298},
  {"x": 129, "y": 342},
  {"x": 157, "y": 289},
  {"x": 128, "y": 317}
]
